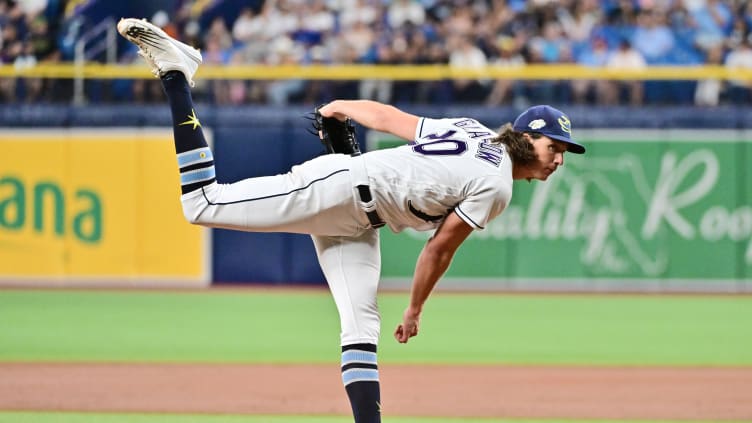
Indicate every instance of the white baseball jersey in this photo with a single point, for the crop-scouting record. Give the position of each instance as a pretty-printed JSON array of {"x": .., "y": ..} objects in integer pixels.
[{"x": 452, "y": 165}]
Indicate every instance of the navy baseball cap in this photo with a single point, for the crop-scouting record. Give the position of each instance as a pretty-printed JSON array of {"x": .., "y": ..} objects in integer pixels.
[{"x": 550, "y": 122}]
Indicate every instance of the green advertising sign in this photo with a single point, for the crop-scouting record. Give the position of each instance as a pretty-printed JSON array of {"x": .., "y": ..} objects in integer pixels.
[{"x": 642, "y": 210}]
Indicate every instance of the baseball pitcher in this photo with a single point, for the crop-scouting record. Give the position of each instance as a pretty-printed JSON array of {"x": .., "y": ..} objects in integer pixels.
[{"x": 453, "y": 177}]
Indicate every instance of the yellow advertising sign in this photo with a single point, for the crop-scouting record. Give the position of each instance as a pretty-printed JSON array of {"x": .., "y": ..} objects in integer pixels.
[{"x": 91, "y": 205}]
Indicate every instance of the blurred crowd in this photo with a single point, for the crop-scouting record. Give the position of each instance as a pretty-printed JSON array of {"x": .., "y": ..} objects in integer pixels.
[
  {"x": 27, "y": 37},
  {"x": 616, "y": 34}
]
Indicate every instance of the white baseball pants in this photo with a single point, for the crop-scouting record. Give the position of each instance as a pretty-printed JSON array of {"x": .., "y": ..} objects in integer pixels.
[{"x": 318, "y": 198}]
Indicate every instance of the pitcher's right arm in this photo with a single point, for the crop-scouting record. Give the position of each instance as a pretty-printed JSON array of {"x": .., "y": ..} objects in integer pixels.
[{"x": 374, "y": 115}]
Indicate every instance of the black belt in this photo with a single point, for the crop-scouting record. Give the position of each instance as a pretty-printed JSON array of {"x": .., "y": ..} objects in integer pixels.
[{"x": 365, "y": 196}]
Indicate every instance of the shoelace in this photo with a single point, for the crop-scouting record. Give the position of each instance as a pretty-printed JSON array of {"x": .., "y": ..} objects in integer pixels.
[{"x": 149, "y": 57}]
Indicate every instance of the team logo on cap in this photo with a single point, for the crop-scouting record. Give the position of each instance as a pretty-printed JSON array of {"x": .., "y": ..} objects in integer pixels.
[
  {"x": 565, "y": 124},
  {"x": 536, "y": 124}
]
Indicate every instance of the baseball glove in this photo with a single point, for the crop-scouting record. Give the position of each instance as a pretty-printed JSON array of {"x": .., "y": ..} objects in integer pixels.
[{"x": 337, "y": 136}]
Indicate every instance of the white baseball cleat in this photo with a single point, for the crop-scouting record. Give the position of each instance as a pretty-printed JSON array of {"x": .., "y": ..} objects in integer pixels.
[{"x": 162, "y": 52}]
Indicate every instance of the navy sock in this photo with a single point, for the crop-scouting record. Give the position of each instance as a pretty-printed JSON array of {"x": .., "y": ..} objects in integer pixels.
[
  {"x": 360, "y": 375},
  {"x": 195, "y": 158}
]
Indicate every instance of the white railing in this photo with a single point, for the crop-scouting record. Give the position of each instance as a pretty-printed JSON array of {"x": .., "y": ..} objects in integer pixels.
[{"x": 89, "y": 45}]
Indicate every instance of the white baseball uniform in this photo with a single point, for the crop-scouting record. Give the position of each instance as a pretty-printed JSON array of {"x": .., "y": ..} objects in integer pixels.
[{"x": 452, "y": 165}]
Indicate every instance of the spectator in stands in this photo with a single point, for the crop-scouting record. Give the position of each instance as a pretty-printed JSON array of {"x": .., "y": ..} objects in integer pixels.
[
  {"x": 366, "y": 11},
  {"x": 714, "y": 20},
  {"x": 218, "y": 51},
  {"x": 739, "y": 90},
  {"x": 191, "y": 33},
  {"x": 8, "y": 86},
  {"x": 708, "y": 91},
  {"x": 32, "y": 8},
  {"x": 403, "y": 12},
  {"x": 407, "y": 51},
  {"x": 496, "y": 22},
  {"x": 551, "y": 45},
  {"x": 281, "y": 18},
  {"x": 421, "y": 50},
  {"x": 25, "y": 41},
  {"x": 382, "y": 53},
  {"x": 237, "y": 90},
  {"x": 625, "y": 57},
  {"x": 220, "y": 36},
  {"x": 41, "y": 40},
  {"x": 578, "y": 24},
  {"x": 460, "y": 22},
  {"x": 26, "y": 59},
  {"x": 284, "y": 52},
  {"x": 465, "y": 55},
  {"x": 317, "y": 91},
  {"x": 600, "y": 91},
  {"x": 11, "y": 46},
  {"x": 509, "y": 56},
  {"x": 162, "y": 19},
  {"x": 248, "y": 27},
  {"x": 740, "y": 29},
  {"x": 745, "y": 13},
  {"x": 360, "y": 37},
  {"x": 684, "y": 28},
  {"x": 251, "y": 37},
  {"x": 315, "y": 22},
  {"x": 549, "y": 48},
  {"x": 652, "y": 38}
]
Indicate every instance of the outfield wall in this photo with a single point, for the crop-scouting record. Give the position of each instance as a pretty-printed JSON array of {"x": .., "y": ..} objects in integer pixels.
[
  {"x": 648, "y": 209},
  {"x": 644, "y": 210},
  {"x": 95, "y": 206}
]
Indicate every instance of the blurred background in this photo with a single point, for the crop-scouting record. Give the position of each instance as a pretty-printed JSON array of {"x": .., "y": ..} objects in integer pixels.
[
  {"x": 659, "y": 90},
  {"x": 607, "y": 34}
]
